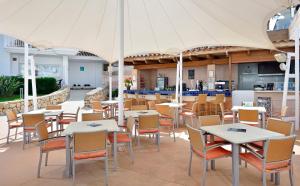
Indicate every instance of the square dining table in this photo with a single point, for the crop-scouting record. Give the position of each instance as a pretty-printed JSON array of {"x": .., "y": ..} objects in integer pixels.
[
  {"x": 85, "y": 126},
  {"x": 236, "y": 139},
  {"x": 261, "y": 110},
  {"x": 137, "y": 113}
]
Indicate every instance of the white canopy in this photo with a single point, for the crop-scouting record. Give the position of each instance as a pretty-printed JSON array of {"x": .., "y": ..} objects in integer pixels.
[{"x": 150, "y": 25}]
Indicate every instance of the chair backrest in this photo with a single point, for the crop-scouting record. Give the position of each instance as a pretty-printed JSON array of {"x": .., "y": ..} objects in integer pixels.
[
  {"x": 89, "y": 141},
  {"x": 209, "y": 120},
  {"x": 53, "y": 107},
  {"x": 139, "y": 107},
  {"x": 195, "y": 107},
  {"x": 130, "y": 124},
  {"x": 280, "y": 126},
  {"x": 42, "y": 131},
  {"x": 196, "y": 138},
  {"x": 220, "y": 98},
  {"x": 157, "y": 96},
  {"x": 96, "y": 105},
  {"x": 91, "y": 116},
  {"x": 173, "y": 96},
  {"x": 222, "y": 109},
  {"x": 202, "y": 98},
  {"x": 148, "y": 121},
  {"x": 151, "y": 105},
  {"x": 283, "y": 111},
  {"x": 280, "y": 149},
  {"x": 248, "y": 115},
  {"x": 30, "y": 120},
  {"x": 136, "y": 96},
  {"x": 128, "y": 104},
  {"x": 11, "y": 116},
  {"x": 126, "y": 96},
  {"x": 164, "y": 110}
]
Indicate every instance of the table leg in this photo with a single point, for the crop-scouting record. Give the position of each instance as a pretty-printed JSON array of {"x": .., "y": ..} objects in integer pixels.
[
  {"x": 234, "y": 118},
  {"x": 235, "y": 164},
  {"x": 115, "y": 151},
  {"x": 68, "y": 156},
  {"x": 263, "y": 117},
  {"x": 177, "y": 117}
]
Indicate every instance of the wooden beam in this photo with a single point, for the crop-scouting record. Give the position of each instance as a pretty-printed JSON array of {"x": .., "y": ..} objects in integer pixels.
[
  {"x": 185, "y": 64},
  {"x": 253, "y": 56}
]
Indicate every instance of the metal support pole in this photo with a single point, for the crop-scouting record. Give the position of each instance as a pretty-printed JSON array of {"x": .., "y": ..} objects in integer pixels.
[
  {"x": 110, "y": 81},
  {"x": 181, "y": 76},
  {"x": 121, "y": 61},
  {"x": 33, "y": 82},
  {"x": 26, "y": 78},
  {"x": 177, "y": 82},
  {"x": 297, "y": 114}
]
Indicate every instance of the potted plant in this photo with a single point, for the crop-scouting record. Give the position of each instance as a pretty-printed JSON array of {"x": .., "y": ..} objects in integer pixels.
[{"x": 128, "y": 83}]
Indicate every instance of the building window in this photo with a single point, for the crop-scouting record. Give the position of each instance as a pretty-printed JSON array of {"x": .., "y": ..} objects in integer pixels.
[
  {"x": 191, "y": 74},
  {"x": 43, "y": 70},
  {"x": 81, "y": 69}
]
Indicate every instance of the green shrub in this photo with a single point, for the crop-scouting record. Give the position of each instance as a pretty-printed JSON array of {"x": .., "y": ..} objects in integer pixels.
[
  {"x": 115, "y": 93},
  {"x": 8, "y": 85}
]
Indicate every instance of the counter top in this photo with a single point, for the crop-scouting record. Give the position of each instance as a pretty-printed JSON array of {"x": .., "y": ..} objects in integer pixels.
[
  {"x": 265, "y": 91},
  {"x": 184, "y": 93}
]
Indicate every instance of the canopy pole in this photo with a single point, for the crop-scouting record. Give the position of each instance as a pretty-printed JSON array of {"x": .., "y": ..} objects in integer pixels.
[
  {"x": 26, "y": 91},
  {"x": 177, "y": 83},
  {"x": 110, "y": 81},
  {"x": 297, "y": 82},
  {"x": 121, "y": 61},
  {"x": 180, "y": 80}
]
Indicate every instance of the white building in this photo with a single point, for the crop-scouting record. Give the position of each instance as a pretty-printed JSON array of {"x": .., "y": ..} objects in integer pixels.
[{"x": 72, "y": 66}]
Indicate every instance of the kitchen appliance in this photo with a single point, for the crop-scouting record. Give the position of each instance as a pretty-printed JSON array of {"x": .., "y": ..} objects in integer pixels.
[
  {"x": 220, "y": 85},
  {"x": 259, "y": 87},
  {"x": 270, "y": 86},
  {"x": 162, "y": 83}
]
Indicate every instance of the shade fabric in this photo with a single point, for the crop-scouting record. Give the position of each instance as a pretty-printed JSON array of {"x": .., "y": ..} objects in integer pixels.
[{"x": 162, "y": 26}]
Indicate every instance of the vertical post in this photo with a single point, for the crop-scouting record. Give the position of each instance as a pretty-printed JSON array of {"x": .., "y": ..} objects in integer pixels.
[
  {"x": 297, "y": 114},
  {"x": 121, "y": 60},
  {"x": 33, "y": 82},
  {"x": 177, "y": 82},
  {"x": 26, "y": 78},
  {"x": 110, "y": 81},
  {"x": 66, "y": 70},
  {"x": 181, "y": 76},
  {"x": 230, "y": 72}
]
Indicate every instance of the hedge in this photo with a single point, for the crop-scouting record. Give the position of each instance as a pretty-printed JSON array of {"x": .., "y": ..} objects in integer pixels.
[{"x": 44, "y": 85}]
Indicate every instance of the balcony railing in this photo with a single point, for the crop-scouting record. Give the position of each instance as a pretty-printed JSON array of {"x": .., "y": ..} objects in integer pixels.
[{"x": 12, "y": 42}]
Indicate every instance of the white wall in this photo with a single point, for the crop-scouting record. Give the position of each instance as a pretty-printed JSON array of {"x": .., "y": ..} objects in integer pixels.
[
  {"x": 4, "y": 58},
  {"x": 92, "y": 74}
]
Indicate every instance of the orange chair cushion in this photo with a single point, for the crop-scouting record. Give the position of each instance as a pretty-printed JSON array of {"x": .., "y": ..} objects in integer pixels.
[
  {"x": 257, "y": 163},
  {"x": 228, "y": 116},
  {"x": 215, "y": 153},
  {"x": 165, "y": 123},
  {"x": 165, "y": 116},
  {"x": 97, "y": 154},
  {"x": 121, "y": 138},
  {"x": 148, "y": 131},
  {"x": 15, "y": 124},
  {"x": 54, "y": 144},
  {"x": 66, "y": 121}
]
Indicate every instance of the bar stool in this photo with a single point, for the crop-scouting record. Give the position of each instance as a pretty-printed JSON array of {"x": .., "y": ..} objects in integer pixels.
[
  {"x": 202, "y": 106},
  {"x": 214, "y": 104}
]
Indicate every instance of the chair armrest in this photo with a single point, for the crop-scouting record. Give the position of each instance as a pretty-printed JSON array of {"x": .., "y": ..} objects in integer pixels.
[
  {"x": 252, "y": 151},
  {"x": 215, "y": 146}
]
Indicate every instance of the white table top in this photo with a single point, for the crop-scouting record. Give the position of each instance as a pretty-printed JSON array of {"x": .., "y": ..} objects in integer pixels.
[
  {"x": 259, "y": 109},
  {"x": 251, "y": 135},
  {"x": 109, "y": 102},
  {"x": 137, "y": 113},
  {"x": 47, "y": 112},
  {"x": 174, "y": 105},
  {"x": 83, "y": 126}
]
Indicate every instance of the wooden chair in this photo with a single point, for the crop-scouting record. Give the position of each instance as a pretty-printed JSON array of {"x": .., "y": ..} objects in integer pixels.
[
  {"x": 167, "y": 117},
  {"x": 211, "y": 120},
  {"x": 202, "y": 104},
  {"x": 275, "y": 157},
  {"x": 67, "y": 118},
  {"x": 206, "y": 152},
  {"x": 13, "y": 122},
  {"x": 249, "y": 117},
  {"x": 215, "y": 103},
  {"x": 53, "y": 107},
  {"x": 128, "y": 104},
  {"x": 149, "y": 124},
  {"x": 90, "y": 146},
  {"x": 158, "y": 99},
  {"x": 91, "y": 116},
  {"x": 140, "y": 101},
  {"x": 190, "y": 114},
  {"x": 226, "y": 116},
  {"x": 151, "y": 105},
  {"x": 48, "y": 142},
  {"x": 275, "y": 125},
  {"x": 97, "y": 107},
  {"x": 139, "y": 107},
  {"x": 282, "y": 113},
  {"x": 124, "y": 137},
  {"x": 29, "y": 123}
]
